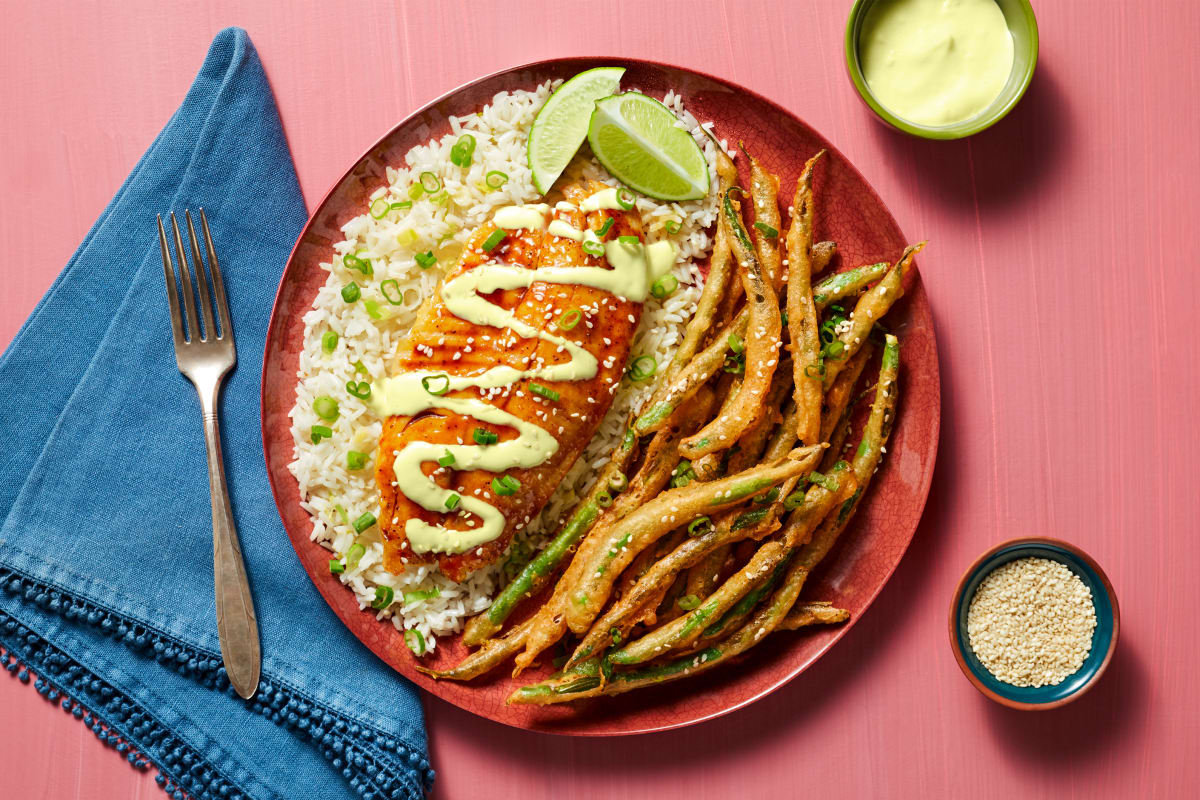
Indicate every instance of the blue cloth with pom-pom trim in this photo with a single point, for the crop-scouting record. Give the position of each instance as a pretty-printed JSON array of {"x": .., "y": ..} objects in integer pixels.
[{"x": 106, "y": 587}]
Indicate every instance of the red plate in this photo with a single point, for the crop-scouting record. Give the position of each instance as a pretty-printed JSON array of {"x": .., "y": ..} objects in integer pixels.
[{"x": 850, "y": 213}]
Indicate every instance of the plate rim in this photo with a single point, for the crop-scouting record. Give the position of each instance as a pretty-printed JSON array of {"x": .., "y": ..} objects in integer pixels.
[{"x": 935, "y": 379}]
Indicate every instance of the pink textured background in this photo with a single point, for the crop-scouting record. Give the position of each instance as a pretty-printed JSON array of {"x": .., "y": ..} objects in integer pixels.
[{"x": 1064, "y": 281}]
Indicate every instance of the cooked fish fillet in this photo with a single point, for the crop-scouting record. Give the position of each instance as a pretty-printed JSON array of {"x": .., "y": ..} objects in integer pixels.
[{"x": 442, "y": 342}]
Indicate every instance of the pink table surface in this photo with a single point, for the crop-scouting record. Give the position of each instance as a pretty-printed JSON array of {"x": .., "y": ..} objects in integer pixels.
[{"x": 1063, "y": 276}]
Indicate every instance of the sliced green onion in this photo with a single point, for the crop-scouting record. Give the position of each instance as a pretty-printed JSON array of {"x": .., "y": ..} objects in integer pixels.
[
  {"x": 436, "y": 385},
  {"x": 390, "y": 289},
  {"x": 505, "y": 485},
  {"x": 604, "y": 499},
  {"x": 767, "y": 230},
  {"x": 627, "y": 239},
  {"x": 384, "y": 595},
  {"x": 495, "y": 179},
  {"x": 672, "y": 226},
  {"x": 482, "y": 436},
  {"x": 329, "y": 340},
  {"x": 452, "y": 501},
  {"x": 496, "y": 237},
  {"x": 769, "y": 497},
  {"x": 549, "y": 394},
  {"x": 619, "y": 482},
  {"x": 626, "y": 198},
  {"x": 460, "y": 154},
  {"x": 794, "y": 500},
  {"x": 430, "y": 183},
  {"x": 664, "y": 287},
  {"x": 833, "y": 349},
  {"x": 326, "y": 408},
  {"x": 569, "y": 319},
  {"x": 815, "y": 370},
  {"x": 735, "y": 365},
  {"x": 379, "y": 208},
  {"x": 336, "y": 567},
  {"x": 350, "y": 292},
  {"x": 360, "y": 389},
  {"x": 341, "y": 512},
  {"x": 420, "y": 595},
  {"x": 446, "y": 460},
  {"x": 605, "y": 228},
  {"x": 699, "y": 526},
  {"x": 688, "y": 602},
  {"x": 357, "y": 264},
  {"x": 426, "y": 260},
  {"x": 736, "y": 344},
  {"x": 354, "y": 554},
  {"x": 593, "y": 247},
  {"x": 374, "y": 310},
  {"x": 616, "y": 636},
  {"x": 643, "y": 367},
  {"x": 365, "y": 521},
  {"x": 355, "y": 460},
  {"x": 319, "y": 432},
  {"x": 837, "y": 309},
  {"x": 415, "y": 191},
  {"x": 402, "y": 204},
  {"x": 415, "y": 641},
  {"x": 360, "y": 368}
]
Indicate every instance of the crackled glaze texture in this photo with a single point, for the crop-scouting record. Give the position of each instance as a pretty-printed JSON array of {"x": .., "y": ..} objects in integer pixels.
[{"x": 850, "y": 213}]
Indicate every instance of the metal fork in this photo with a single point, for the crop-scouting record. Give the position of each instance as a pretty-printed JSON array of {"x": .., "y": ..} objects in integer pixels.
[{"x": 205, "y": 356}]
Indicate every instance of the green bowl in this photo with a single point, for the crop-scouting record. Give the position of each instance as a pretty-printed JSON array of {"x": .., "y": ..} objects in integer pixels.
[
  {"x": 1023, "y": 27},
  {"x": 1104, "y": 638}
]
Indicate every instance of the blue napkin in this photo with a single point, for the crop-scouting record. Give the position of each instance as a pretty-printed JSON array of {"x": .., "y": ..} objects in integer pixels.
[{"x": 106, "y": 588}]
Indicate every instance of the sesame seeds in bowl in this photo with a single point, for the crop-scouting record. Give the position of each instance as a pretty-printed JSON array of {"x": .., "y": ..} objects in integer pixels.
[{"x": 1033, "y": 623}]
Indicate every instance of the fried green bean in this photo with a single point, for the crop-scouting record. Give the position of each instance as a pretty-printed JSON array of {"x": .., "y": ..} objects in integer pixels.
[
  {"x": 490, "y": 655},
  {"x": 650, "y": 479},
  {"x": 835, "y": 417},
  {"x": 764, "y": 192},
  {"x": 686, "y": 629},
  {"x": 822, "y": 256},
  {"x": 660, "y": 515},
  {"x": 846, "y": 284},
  {"x": 802, "y": 314},
  {"x": 870, "y": 308},
  {"x": 813, "y": 613},
  {"x": 762, "y": 345}
]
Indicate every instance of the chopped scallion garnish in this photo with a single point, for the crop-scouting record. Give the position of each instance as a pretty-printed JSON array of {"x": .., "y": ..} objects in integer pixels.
[
  {"x": 688, "y": 602},
  {"x": 496, "y": 237},
  {"x": 354, "y": 554},
  {"x": 735, "y": 365},
  {"x": 664, "y": 287},
  {"x": 483, "y": 436},
  {"x": 355, "y": 460},
  {"x": 400, "y": 205},
  {"x": 768, "y": 497},
  {"x": 542, "y": 391},
  {"x": 360, "y": 389},
  {"x": 452, "y": 501},
  {"x": 372, "y": 307},
  {"x": 357, "y": 264},
  {"x": 351, "y": 292},
  {"x": 365, "y": 521},
  {"x": 642, "y": 367},
  {"x": 505, "y": 485},
  {"x": 495, "y": 179},
  {"x": 326, "y": 408},
  {"x": 384, "y": 595},
  {"x": 379, "y": 207},
  {"x": 606, "y": 227},
  {"x": 415, "y": 641},
  {"x": 436, "y": 385},
  {"x": 446, "y": 460},
  {"x": 460, "y": 154},
  {"x": 425, "y": 260},
  {"x": 430, "y": 182},
  {"x": 569, "y": 319},
  {"x": 593, "y": 247},
  {"x": 329, "y": 340},
  {"x": 625, "y": 198},
  {"x": 627, "y": 239},
  {"x": 415, "y": 191},
  {"x": 390, "y": 289},
  {"x": 736, "y": 344},
  {"x": 336, "y": 567},
  {"x": 319, "y": 432},
  {"x": 672, "y": 226}
]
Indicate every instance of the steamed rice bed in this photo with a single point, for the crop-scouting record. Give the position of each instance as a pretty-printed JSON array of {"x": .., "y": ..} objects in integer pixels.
[{"x": 335, "y": 496}]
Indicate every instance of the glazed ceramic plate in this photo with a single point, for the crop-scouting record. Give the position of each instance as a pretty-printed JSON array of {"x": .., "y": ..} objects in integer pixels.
[{"x": 849, "y": 212}]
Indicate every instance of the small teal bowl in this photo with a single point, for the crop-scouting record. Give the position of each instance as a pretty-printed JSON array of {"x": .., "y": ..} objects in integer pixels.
[
  {"x": 1104, "y": 639},
  {"x": 1022, "y": 24}
]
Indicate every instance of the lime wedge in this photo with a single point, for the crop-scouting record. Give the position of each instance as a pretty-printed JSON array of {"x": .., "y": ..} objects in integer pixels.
[
  {"x": 561, "y": 124},
  {"x": 640, "y": 141}
]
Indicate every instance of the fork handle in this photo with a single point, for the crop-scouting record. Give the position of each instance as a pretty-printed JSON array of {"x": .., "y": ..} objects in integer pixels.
[{"x": 237, "y": 627}]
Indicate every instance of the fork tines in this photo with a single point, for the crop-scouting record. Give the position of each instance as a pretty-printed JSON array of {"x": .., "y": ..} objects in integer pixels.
[{"x": 215, "y": 329}]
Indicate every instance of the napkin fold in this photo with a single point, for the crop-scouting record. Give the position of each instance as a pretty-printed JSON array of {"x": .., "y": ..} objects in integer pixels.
[{"x": 106, "y": 579}]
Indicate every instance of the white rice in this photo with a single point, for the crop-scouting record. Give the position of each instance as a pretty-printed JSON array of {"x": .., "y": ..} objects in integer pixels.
[{"x": 335, "y": 496}]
